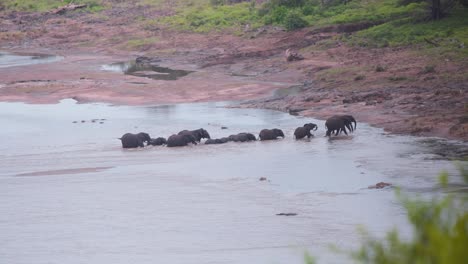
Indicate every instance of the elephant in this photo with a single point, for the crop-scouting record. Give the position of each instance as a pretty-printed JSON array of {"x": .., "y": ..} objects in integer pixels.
[
  {"x": 181, "y": 140},
  {"x": 348, "y": 123},
  {"x": 157, "y": 141},
  {"x": 198, "y": 134},
  {"x": 349, "y": 119},
  {"x": 242, "y": 137},
  {"x": 335, "y": 124},
  {"x": 224, "y": 140},
  {"x": 216, "y": 141},
  {"x": 270, "y": 134},
  {"x": 130, "y": 140},
  {"x": 304, "y": 131}
]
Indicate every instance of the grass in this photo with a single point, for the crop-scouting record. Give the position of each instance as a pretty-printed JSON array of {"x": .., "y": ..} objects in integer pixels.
[
  {"x": 368, "y": 11},
  {"x": 200, "y": 16},
  {"x": 449, "y": 32},
  {"x": 46, "y": 5},
  {"x": 136, "y": 44}
]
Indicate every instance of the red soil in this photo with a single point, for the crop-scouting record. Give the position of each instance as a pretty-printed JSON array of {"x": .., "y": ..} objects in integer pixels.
[{"x": 405, "y": 97}]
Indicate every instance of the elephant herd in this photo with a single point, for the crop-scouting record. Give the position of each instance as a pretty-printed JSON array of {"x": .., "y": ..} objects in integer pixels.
[{"x": 334, "y": 125}]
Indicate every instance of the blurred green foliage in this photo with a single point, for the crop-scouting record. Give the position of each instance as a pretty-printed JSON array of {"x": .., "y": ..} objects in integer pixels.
[
  {"x": 440, "y": 230},
  {"x": 46, "y": 5}
]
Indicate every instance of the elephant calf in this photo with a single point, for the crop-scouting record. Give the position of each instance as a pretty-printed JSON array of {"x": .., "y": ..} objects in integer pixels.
[
  {"x": 198, "y": 134},
  {"x": 180, "y": 140},
  {"x": 157, "y": 141},
  {"x": 130, "y": 140},
  {"x": 217, "y": 141},
  {"x": 270, "y": 134},
  {"x": 304, "y": 131},
  {"x": 242, "y": 137}
]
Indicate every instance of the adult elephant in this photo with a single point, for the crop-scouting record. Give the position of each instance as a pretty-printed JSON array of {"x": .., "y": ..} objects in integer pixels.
[
  {"x": 198, "y": 134},
  {"x": 157, "y": 141},
  {"x": 348, "y": 121},
  {"x": 335, "y": 124},
  {"x": 180, "y": 140},
  {"x": 130, "y": 140},
  {"x": 242, "y": 137},
  {"x": 304, "y": 131},
  {"x": 270, "y": 134}
]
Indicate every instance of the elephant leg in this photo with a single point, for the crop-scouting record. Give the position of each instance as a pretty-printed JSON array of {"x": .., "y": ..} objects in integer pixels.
[{"x": 344, "y": 130}]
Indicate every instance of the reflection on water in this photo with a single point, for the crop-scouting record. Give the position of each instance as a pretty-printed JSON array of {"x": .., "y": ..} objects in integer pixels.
[
  {"x": 196, "y": 204},
  {"x": 20, "y": 59},
  {"x": 145, "y": 70}
]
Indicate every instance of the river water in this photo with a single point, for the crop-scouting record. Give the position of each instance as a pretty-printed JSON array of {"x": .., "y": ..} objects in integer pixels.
[
  {"x": 8, "y": 59},
  {"x": 71, "y": 194}
]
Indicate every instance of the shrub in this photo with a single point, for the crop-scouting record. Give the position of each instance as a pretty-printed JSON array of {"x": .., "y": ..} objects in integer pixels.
[
  {"x": 294, "y": 20},
  {"x": 359, "y": 77},
  {"x": 440, "y": 231},
  {"x": 379, "y": 68},
  {"x": 428, "y": 69}
]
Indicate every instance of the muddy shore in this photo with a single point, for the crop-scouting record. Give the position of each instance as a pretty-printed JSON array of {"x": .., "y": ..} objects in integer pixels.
[{"x": 398, "y": 89}]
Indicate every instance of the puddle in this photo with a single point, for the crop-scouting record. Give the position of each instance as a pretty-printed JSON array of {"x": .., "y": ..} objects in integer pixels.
[
  {"x": 147, "y": 70},
  {"x": 196, "y": 204},
  {"x": 8, "y": 59}
]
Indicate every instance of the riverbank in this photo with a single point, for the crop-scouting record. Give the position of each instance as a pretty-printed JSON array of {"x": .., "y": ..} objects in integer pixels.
[{"x": 400, "y": 89}]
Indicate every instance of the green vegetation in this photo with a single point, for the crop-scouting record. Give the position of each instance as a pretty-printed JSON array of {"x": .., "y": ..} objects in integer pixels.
[
  {"x": 201, "y": 16},
  {"x": 440, "y": 232},
  {"x": 46, "y": 5},
  {"x": 397, "y": 22},
  {"x": 140, "y": 43},
  {"x": 450, "y": 31}
]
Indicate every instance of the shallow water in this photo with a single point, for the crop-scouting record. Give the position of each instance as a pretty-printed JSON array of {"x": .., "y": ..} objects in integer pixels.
[
  {"x": 21, "y": 59},
  {"x": 70, "y": 194}
]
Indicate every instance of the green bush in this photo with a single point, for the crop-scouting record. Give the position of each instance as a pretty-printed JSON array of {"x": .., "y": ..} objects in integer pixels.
[
  {"x": 46, "y": 5},
  {"x": 294, "y": 20},
  {"x": 440, "y": 232}
]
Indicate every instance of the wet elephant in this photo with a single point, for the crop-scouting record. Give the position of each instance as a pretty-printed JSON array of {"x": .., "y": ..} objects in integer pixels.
[
  {"x": 198, "y": 134},
  {"x": 216, "y": 141},
  {"x": 157, "y": 141},
  {"x": 180, "y": 140},
  {"x": 130, "y": 140},
  {"x": 349, "y": 119},
  {"x": 242, "y": 137},
  {"x": 335, "y": 124},
  {"x": 304, "y": 131},
  {"x": 270, "y": 134}
]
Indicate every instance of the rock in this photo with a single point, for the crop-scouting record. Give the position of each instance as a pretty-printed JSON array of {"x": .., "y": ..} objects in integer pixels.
[
  {"x": 262, "y": 179},
  {"x": 146, "y": 60},
  {"x": 380, "y": 185},
  {"x": 292, "y": 56},
  {"x": 223, "y": 127},
  {"x": 287, "y": 214},
  {"x": 295, "y": 111}
]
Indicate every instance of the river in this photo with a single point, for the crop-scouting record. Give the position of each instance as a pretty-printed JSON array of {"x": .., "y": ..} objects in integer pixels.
[{"x": 71, "y": 194}]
